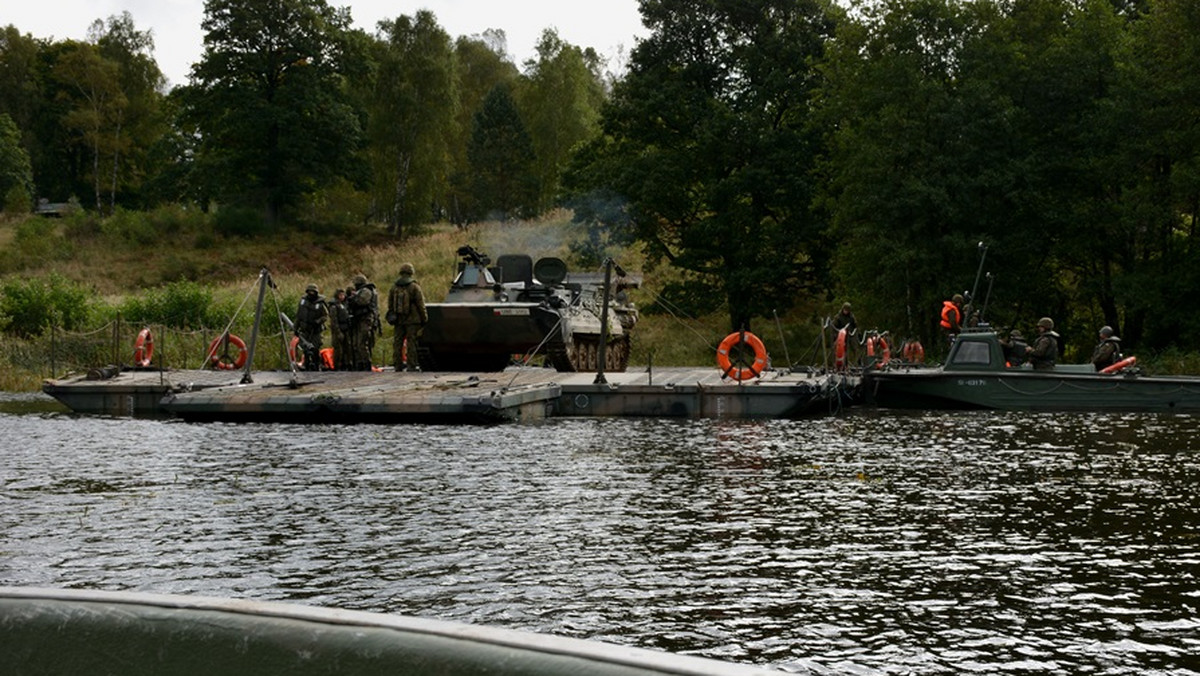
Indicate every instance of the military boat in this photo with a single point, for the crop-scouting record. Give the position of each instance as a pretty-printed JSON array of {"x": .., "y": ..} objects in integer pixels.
[
  {"x": 519, "y": 308},
  {"x": 976, "y": 376},
  {"x": 74, "y": 631}
]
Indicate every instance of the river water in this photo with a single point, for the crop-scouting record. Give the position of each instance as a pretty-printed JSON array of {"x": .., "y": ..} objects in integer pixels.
[{"x": 871, "y": 543}]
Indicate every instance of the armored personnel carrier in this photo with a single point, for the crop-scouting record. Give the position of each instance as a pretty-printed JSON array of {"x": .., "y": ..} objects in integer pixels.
[{"x": 518, "y": 308}]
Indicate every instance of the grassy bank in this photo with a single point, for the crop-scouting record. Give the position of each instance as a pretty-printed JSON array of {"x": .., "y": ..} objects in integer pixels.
[
  {"x": 122, "y": 266},
  {"x": 121, "y": 263}
]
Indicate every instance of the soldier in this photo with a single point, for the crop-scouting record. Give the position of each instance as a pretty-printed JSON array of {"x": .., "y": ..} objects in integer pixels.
[
  {"x": 1015, "y": 349},
  {"x": 339, "y": 330},
  {"x": 406, "y": 312},
  {"x": 310, "y": 322},
  {"x": 1044, "y": 352},
  {"x": 363, "y": 304},
  {"x": 952, "y": 316},
  {"x": 1108, "y": 351},
  {"x": 845, "y": 320}
]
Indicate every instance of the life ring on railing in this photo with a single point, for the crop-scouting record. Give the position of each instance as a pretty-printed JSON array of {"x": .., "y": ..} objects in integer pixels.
[
  {"x": 143, "y": 348},
  {"x": 740, "y": 373},
  {"x": 224, "y": 361},
  {"x": 1120, "y": 366},
  {"x": 913, "y": 352},
  {"x": 292, "y": 344},
  {"x": 839, "y": 351},
  {"x": 878, "y": 344}
]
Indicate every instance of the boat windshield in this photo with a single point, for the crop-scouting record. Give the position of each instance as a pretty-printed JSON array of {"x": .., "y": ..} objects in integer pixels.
[{"x": 972, "y": 353}]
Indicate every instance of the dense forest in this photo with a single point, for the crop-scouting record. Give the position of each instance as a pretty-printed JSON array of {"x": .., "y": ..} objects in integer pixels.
[{"x": 769, "y": 151}]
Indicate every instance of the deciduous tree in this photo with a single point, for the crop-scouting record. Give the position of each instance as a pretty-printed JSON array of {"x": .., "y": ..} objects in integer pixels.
[{"x": 269, "y": 101}]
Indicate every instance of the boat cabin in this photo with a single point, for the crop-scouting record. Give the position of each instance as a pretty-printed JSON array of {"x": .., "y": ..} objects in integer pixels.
[{"x": 982, "y": 351}]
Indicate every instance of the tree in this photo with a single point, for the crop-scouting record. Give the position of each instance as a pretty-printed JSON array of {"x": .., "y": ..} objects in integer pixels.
[
  {"x": 1150, "y": 248},
  {"x": 481, "y": 66},
  {"x": 269, "y": 100},
  {"x": 92, "y": 83},
  {"x": 502, "y": 159},
  {"x": 16, "y": 176},
  {"x": 412, "y": 118},
  {"x": 139, "y": 123},
  {"x": 560, "y": 100},
  {"x": 708, "y": 138}
]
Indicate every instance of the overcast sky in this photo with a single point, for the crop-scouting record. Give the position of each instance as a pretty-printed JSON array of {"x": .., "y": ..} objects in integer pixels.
[{"x": 608, "y": 26}]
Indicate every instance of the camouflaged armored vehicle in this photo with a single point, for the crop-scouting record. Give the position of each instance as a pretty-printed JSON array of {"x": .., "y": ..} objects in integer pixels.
[{"x": 493, "y": 314}]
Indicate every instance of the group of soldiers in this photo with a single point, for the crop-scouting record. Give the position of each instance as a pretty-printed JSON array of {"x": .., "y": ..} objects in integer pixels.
[
  {"x": 1043, "y": 353},
  {"x": 354, "y": 323}
]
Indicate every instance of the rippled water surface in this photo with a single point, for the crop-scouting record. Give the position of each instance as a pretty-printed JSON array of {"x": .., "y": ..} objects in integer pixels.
[{"x": 871, "y": 543}]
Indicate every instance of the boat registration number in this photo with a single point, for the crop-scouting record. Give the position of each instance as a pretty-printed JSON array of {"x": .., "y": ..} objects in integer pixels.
[
  {"x": 511, "y": 312},
  {"x": 973, "y": 382}
]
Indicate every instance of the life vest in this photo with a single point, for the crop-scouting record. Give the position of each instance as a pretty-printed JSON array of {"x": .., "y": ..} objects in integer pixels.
[{"x": 951, "y": 316}]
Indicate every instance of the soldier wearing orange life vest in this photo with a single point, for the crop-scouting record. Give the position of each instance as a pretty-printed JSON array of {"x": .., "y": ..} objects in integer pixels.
[{"x": 952, "y": 316}]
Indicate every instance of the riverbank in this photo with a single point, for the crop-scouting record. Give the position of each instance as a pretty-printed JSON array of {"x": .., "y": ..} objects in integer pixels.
[{"x": 185, "y": 277}]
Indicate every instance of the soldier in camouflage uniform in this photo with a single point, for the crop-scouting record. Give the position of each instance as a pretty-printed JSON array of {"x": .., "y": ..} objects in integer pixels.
[
  {"x": 1044, "y": 352},
  {"x": 363, "y": 303},
  {"x": 339, "y": 329},
  {"x": 406, "y": 312},
  {"x": 310, "y": 322}
]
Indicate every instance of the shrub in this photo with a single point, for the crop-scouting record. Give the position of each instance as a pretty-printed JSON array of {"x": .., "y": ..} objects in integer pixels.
[
  {"x": 181, "y": 304},
  {"x": 239, "y": 222},
  {"x": 129, "y": 226},
  {"x": 29, "y": 306}
]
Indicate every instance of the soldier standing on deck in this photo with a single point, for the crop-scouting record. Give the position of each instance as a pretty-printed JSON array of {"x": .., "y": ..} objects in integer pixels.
[
  {"x": 339, "y": 330},
  {"x": 363, "y": 304},
  {"x": 406, "y": 312},
  {"x": 310, "y": 322}
]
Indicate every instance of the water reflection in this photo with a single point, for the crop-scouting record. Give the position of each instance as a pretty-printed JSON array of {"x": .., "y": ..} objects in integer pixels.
[{"x": 868, "y": 543}]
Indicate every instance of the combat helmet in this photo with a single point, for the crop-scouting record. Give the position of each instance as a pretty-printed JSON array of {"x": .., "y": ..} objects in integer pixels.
[
  {"x": 1046, "y": 323},
  {"x": 407, "y": 270}
]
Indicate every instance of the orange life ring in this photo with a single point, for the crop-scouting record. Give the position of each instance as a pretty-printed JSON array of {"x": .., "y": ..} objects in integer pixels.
[
  {"x": 224, "y": 361},
  {"x": 292, "y": 351},
  {"x": 143, "y": 348},
  {"x": 879, "y": 344},
  {"x": 327, "y": 358},
  {"x": 913, "y": 352},
  {"x": 741, "y": 372},
  {"x": 1120, "y": 366},
  {"x": 839, "y": 351}
]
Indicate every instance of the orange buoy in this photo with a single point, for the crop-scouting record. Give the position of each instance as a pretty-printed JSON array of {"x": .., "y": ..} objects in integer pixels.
[
  {"x": 225, "y": 361},
  {"x": 740, "y": 373},
  {"x": 839, "y": 351},
  {"x": 143, "y": 348},
  {"x": 1120, "y": 366}
]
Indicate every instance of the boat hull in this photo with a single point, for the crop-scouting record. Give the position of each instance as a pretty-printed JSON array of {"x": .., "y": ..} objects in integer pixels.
[
  {"x": 1025, "y": 390},
  {"x": 46, "y": 631}
]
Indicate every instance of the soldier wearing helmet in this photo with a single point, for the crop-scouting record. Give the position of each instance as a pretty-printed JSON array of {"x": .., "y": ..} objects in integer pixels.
[
  {"x": 1044, "y": 352},
  {"x": 406, "y": 311},
  {"x": 339, "y": 331},
  {"x": 311, "y": 316},
  {"x": 363, "y": 303},
  {"x": 845, "y": 320},
  {"x": 1108, "y": 350}
]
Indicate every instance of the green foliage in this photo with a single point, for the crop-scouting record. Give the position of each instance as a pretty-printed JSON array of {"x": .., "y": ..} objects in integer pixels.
[
  {"x": 16, "y": 174},
  {"x": 502, "y": 160},
  {"x": 560, "y": 103},
  {"x": 412, "y": 118},
  {"x": 129, "y": 226},
  {"x": 181, "y": 304},
  {"x": 30, "y": 306},
  {"x": 36, "y": 241},
  {"x": 708, "y": 138},
  {"x": 233, "y": 221},
  {"x": 269, "y": 99}
]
